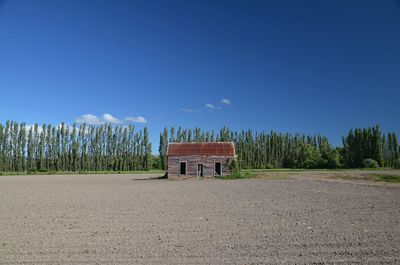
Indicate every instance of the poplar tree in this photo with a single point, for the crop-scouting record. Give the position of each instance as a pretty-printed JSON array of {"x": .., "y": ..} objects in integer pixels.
[
  {"x": 2, "y": 150},
  {"x": 147, "y": 149},
  {"x": 163, "y": 148}
]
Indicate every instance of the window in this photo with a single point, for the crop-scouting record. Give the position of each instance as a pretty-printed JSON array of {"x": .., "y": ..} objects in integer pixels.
[
  {"x": 217, "y": 169},
  {"x": 182, "y": 168}
]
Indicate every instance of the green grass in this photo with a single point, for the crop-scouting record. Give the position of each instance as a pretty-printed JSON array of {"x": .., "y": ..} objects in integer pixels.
[
  {"x": 256, "y": 170},
  {"x": 388, "y": 178},
  {"x": 239, "y": 175},
  {"x": 252, "y": 174},
  {"x": 280, "y": 173},
  {"x": 153, "y": 171},
  {"x": 289, "y": 170}
]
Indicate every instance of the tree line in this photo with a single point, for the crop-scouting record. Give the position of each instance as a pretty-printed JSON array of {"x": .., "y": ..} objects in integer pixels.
[
  {"x": 283, "y": 150},
  {"x": 71, "y": 148},
  {"x": 261, "y": 149},
  {"x": 370, "y": 143},
  {"x": 64, "y": 148}
]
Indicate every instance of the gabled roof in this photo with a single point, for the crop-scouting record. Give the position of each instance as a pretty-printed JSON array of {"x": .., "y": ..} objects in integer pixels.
[{"x": 197, "y": 148}]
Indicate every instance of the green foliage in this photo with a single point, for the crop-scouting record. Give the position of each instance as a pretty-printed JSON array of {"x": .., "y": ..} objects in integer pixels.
[
  {"x": 397, "y": 164},
  {"x": 391, "y": 150},
  {"x": 332, "y": 161},
  {"x": 156, "y": 162},
  {"x": 162, "y": 149},
  {"x": 360, "y": 144},
  {"x": 234, "y": 166},
  {"x": 369, "y": 163},
  {"x": 147, "y": 150},
  {"x": 46, "y": 148},
  {"x": 105, "y": 147},
  {"x": 266, "y": 150},
  {"x": 276, "y": 150},
  {"x": 311, "y": 157}
]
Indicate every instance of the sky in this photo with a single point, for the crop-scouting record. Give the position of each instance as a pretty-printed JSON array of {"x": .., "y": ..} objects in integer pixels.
[{"x": 287, "y": 66}]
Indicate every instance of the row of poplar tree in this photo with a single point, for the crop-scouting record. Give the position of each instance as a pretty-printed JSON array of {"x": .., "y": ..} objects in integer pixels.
[
  {"x": 278, "y": 150},
  {"x": 70, "y": 148},
  {"x": 370, "y": 143},
  {"x": 122, "y": 148}
]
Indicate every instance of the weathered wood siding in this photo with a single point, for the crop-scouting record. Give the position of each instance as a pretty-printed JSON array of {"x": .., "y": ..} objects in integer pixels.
[{"x": 192, "y": 161}]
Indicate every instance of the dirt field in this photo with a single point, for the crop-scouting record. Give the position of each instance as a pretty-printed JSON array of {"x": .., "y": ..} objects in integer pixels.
[
  {"x": 121, "y": 219},
  {"x": 364, "y": 177}
]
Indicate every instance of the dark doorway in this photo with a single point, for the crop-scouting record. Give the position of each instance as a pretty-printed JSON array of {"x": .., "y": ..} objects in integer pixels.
[
  {"x": 218, "y": 169},
  {"x": 199, "y": 170},
  {"x": 182, "y": 168}
]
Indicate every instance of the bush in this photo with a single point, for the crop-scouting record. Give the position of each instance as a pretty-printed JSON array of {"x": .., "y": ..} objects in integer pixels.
[
  {"x": 369, "y": 163},
  {"x": 333, "y": 160},
  {"x": 31, "y": 171},
  {"x": 269, "y": 166},
  {"x": 234, "y": 166},
  {"x": 311, "y": 157},
  {"x": 397, "y": 164}
]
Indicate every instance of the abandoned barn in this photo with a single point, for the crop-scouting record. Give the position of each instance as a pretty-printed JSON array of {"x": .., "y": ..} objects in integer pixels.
[{"x": 200, "y": 159}]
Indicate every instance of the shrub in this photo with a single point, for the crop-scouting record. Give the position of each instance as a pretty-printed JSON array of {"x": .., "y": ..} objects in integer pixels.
[
  {"x": 234, "y": 166},
  {"x": 397, "y": 164},
  {"x": 369, "y": 163},
  {"x": 333, "y": 159},
  {"x": 269, "y": 166},
  {"x": 31, "y": 171},
  {"x": 312, "y": 157}
]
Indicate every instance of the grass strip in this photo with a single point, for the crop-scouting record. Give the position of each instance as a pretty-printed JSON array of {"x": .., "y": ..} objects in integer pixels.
[
  {"x": 79, "y": 172},
  {"x": 388, "y": 178}
]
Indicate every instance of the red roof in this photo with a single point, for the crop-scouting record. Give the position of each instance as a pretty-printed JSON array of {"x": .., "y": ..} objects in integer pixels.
[{"x": 195, "y": 148}]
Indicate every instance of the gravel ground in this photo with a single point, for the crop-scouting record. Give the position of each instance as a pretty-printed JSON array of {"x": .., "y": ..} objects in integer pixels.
[{"x": 125, "y": 219}]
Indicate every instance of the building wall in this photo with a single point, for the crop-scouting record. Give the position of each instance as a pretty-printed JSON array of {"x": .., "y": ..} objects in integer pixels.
[{"x": 192, "y": 161}]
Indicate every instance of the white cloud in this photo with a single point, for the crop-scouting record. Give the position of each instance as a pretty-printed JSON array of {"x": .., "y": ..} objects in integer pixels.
[
  {"x": 108, "y": 118},
  {"x": 89, "y": 119},
  {"x": 40, "y": 127},
  {"x": 138, "y": 119},
  {"x": 210, "y": 106},
  {"x": 29, "y": 126},
  {"x": 226, "y": 101}
]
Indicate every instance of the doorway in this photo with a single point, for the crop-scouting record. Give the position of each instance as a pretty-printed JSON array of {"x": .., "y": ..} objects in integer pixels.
[
  {"x": 182, "y": 168},
  {"x": 200, "y": 170},
  {"x": 217, "y": 169}
]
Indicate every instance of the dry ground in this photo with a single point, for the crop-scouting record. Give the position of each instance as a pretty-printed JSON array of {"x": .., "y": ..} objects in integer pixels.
[
  {"x": 120, "y": 219},
  {"x": 367, "y": 177}
]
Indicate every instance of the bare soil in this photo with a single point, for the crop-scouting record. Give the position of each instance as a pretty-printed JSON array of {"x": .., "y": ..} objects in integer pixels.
[
  {"x": 365, "y": 177},
  {"x": 129, "y": 219}
]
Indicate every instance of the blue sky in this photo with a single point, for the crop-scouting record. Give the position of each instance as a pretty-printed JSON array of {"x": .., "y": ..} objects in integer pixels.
[{"x": 287, "y": 66}]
